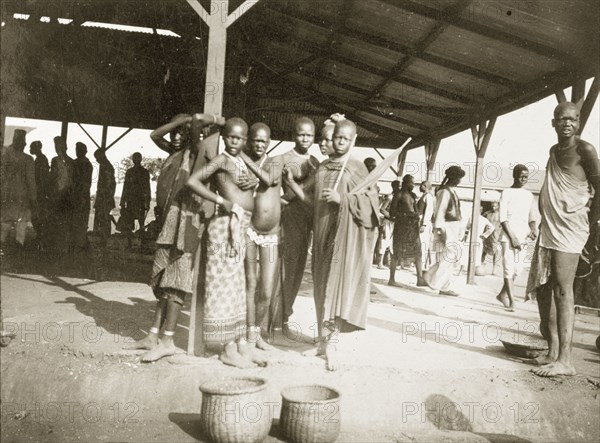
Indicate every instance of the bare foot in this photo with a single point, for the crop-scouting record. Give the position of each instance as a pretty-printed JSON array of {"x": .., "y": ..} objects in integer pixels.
[
  {"x": 392, "y": 283},
  {"x": 264, "y": 346},
  {"x": 250, "y": 352},
  {"x": 541, "y": 360},
  {"x": 161, "y": 350},
  {"x": 421, "y": 282},
  {"x": 315, "y": 352},
  {"x": 510, "y": 308},
  {"x": 149, "y": 342},
  {"x": 230, "y": 356},
  {"x": 502, "y": 298},
  {"x": 332, "y": 358},
  {"x": 554, "y": 369}
]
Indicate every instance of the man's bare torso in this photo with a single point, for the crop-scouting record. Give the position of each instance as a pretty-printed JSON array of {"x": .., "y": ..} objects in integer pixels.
[{"x": 267, "y": 204}]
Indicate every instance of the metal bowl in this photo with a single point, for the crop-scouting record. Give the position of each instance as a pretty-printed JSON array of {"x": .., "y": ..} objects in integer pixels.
[{"x": 525, "y": 350}]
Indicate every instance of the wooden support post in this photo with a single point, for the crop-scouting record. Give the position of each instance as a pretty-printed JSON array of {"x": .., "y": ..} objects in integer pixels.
[
  {"x": 3, "y": 131},
  {"x": 104, "y": 136},
  {"x": 218, "y": 20},
  {"x": 88, "y": 134},
  {"x": 481, "y": 138},
  {"x": 401, "y": 163},
  {"x": 119, "y": 138},
  {"x": 64, "y": 129},
  {"x": 383, "y": 158},
  {"x": 560, "y": 96},
  {"x": 588, "y": 104},
  {"x": 431, "y": 151},
  {"x": 578, "y": 91}
]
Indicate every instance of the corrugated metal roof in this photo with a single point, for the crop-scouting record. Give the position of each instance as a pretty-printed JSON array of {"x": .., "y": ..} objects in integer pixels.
[{"x": 399, "y": 68}]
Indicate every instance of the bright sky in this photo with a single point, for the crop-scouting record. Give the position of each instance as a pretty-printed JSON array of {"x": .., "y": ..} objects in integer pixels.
[{"x": 523, "y": 136}]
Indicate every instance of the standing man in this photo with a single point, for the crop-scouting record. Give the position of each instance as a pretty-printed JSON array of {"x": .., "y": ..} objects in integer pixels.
[
  {"x": 61, "y": 179},
  {"x": 263, "y": 235},
  {"x": 82, "y": 183},
  {"x": 345, "y": 223},
  {"x": 517, "y": 218},
  {"x": 407, "y": 243},
  {"x": 567, "y": 219},
  {"x": 18, "y": 193},
  {"x": 136, "y": 191},
  {"x": 425, "y": 206},
  {"x": 297, "y": 216},
  {"x": 105, "y": 195},
  {"x": 42, "y": 186}
]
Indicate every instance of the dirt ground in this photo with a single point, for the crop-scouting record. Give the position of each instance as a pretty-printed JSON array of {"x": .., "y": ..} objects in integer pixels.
[{"x": 428, "y": 368}]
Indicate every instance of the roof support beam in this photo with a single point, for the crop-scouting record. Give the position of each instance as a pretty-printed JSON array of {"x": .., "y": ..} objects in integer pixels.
[
  {"x": 273, "y": 148},
  {"x": 241, "y": 10},
  {"x": 420, "y": 48},
  {"x": 481, "y": 138},
  {"x": 127, "y": 131},
  {"x": 401, "y": 162},
  {"x": 431, "y": 151},
  {"x": 588, "y": 104},
  {"x": 382, "y": 42},
  {"x": 213, "y": 104},
  {"x": 578, "y": 91},
  {"x": 485, "y": 31},
  {"x": 560, "y": 96},
  {"x": 88, "y": 134},
  {"x": 395, "y": 171}
]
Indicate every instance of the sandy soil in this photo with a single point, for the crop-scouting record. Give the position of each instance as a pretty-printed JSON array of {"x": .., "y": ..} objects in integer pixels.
[{"x": 428, "y": 368}]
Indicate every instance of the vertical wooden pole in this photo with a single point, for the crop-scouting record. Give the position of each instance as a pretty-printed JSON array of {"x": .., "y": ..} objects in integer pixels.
[
  {"x": 431, "y": 151},
  {"x": 64, "y": 129},
  {"x": 560, "y": 96},
  {"x": 401, "y": 163},
  {"x": 104, "y": 136},
  {"x": 588, "y": 104},
  {"x": 215, "y": 62},
  {"x": 3, "y": 131},
  {"x": 481, "y": 139}
]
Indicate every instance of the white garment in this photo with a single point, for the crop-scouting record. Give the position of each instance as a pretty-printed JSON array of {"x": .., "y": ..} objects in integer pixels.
[{"x": 517, "y": 208}]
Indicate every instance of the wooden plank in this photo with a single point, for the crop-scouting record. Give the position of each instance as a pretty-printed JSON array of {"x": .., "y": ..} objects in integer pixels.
[
  {"x": 473, "y": 238},
  {"x": 119, "y": 138},
  {"x": 395, "y": 171},
  {"x": 560, "y": 96},
  {"x": 64, "y": 129},
  {"x": 588, "y": 104},
  {"x": 86, "y": 133},
  {"x": 196, "y": 6},
  {"x": 104, "y": 136},
  {"x": 382, "y": 42},
  {"x": 481, "y": 29},
  {"x": 486, "y": 138},
  {"x": 402, "y": 163},
  {"x": 578, "y": 90},
  {"x": 215, "y": 65},
  {"x": 241, "y": 10}
]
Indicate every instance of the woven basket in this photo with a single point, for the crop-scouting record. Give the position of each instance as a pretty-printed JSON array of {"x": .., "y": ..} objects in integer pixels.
[
  {"x": 310, "y": 414},
  {"x": 235, "y": 410}
]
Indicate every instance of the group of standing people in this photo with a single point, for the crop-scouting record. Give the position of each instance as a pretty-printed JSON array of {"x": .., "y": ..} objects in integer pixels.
[
  {"x": 55, "y": 196},
  {"x": 251, "y": 216}
]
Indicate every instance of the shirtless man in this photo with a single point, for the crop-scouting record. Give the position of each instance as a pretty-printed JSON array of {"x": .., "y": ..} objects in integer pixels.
[
  {"x": 566, "y": 224},
  {"x": 263, "y": 235},
  {"x": 296, "y": 217},
  {"x": 225, "y": 286}
]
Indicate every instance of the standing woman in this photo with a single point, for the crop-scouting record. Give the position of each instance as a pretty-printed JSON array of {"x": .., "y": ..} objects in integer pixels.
[{"x": 446, "y": 234}]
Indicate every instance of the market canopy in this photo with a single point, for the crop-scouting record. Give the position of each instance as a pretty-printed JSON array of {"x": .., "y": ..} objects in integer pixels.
[{"x": 400, "y": 69}]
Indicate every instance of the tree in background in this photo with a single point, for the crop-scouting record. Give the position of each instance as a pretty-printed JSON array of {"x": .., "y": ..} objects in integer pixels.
[{"x": 152, "y": 164}]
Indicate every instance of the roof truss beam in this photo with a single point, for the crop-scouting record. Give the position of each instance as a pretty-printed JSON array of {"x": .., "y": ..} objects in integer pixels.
[
  {"x": 485, "y": 31},
  {"x": 380, "y": 42}
]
